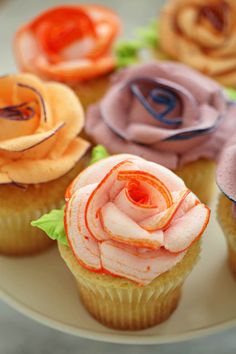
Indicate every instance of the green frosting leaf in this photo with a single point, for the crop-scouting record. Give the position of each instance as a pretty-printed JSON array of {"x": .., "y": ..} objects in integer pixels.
[
  {"x": 148, "y": 35},
  {"x": 99, "y": 152},
  {"x": 231, "y": 93},
  {"x": 53, "y": 225},
  {"x": 126, "y": 53}
]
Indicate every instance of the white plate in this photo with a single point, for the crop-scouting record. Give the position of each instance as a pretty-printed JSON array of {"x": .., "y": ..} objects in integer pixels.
[{"x": 42, "y": 288}]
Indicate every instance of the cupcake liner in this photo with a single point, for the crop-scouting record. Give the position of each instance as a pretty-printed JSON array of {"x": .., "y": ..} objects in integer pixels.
[
  {"x": 228, "y": 225},
  {"x": 111, "y": 308},
  {"x": 18, "y": 237},
  {"x": 20, "y": 206},
  {"x": 232, "y": 261},
  {"x": 120, "y": 303},
  {"x": 199, "y": 177}
]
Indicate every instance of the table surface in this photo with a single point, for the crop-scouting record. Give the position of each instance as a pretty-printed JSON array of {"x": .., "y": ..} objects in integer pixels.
[{"x": 20, "y": 335}]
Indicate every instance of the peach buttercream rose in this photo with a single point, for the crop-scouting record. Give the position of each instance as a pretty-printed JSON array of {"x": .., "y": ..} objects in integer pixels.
[
  {"x": 203, "y": 35},
  {"x": 39, "y": 124},
  {"x": 68, "y": 43},
  {"x": 132, "y": 218}
]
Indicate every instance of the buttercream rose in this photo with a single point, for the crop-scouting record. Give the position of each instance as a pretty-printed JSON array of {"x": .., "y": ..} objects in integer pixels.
[
  {"x": 203, "y": 35},
  {"x": 69, "y": 43},
  {"x": 165, "y": 112},
  {"x": 39, "y": 124},
  {"x": 131, "y": 218}
]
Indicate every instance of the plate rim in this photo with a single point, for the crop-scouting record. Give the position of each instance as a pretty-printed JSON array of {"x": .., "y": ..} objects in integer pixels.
[{"x": 128, "y": 337}]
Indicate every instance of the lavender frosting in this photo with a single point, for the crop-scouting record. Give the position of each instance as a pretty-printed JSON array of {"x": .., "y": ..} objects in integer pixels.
[{"x": 164, "y": 112}]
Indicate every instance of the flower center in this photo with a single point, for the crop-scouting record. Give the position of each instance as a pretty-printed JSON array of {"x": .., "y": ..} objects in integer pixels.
[
  {"x": 216, "y": 15},
  {"x": 138, "y": 193},
  {"x": 59, "y": 28},
  {"x": 154, "y": 94},
  {"x": 20, "y": 112}
]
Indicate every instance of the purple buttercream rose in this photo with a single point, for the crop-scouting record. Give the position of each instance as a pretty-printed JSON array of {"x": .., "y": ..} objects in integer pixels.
[{"x": 164, "y": 112}]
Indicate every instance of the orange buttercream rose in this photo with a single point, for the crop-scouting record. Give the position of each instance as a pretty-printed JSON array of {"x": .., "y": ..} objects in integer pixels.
[
  {"x": 68, "y": 43},
  {"x": 39, "y": 124},
  {"x": 203, "y": 35}
]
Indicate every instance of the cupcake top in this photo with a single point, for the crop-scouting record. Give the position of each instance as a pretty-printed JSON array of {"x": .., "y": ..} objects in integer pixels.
[
  {"x": 131, "y": 218},
  {"x": 202, "y": 34},
  {"x": 39, "y": 124},
  {"x": 68, "y": 43},
  {"x": 226, "y": 172},
  {"x": 162, "y": 111}
]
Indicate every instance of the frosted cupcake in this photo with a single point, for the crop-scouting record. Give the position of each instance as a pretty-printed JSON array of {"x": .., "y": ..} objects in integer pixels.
[
  {"x": 40, "y": 154},
  {"x": 131, "y": 238},
  {"x": 72, "y": 44},
  {"x": 202, "y": 35},
  {"x": 167, "y": 113},
  {"x": 226, "y": 211}
]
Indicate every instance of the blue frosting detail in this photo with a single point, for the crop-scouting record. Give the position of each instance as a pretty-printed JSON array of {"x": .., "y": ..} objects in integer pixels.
[{"x": 159, "y": 94}]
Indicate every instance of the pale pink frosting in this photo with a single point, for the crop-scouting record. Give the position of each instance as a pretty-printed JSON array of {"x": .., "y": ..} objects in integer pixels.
[
  {"x": 226, "y": 172},
  {"x": 132, "y": 218},
  {"x": 121, "y": 123}
]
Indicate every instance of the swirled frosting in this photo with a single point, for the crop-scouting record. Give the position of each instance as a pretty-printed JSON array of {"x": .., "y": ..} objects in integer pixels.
[
  {"x": 131, "y": 218},
  {"x": 165, "y": 112},
  {"x": 68, "y": 43},
  {"x": 203, "y": 35},
  {"x": 226, "y": 172},
  {"x": 39, "y": 124}
]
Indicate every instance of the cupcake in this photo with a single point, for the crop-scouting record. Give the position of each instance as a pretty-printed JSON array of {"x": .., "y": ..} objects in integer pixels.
[
  {"x": 226, "y": 211},
  {"x": 202, "y": 35},
  {"x": 131, "y": 237},
  {"x": 40, "y": 154},
  {"x": 167, "y": 113},
  {"x": 71, "y": 44}
]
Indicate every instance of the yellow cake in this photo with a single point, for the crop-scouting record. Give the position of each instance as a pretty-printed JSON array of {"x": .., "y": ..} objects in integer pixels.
[
  {"x": 228, "y": 225},
  {"x": 199, "y": 176},
  {"x": 20, "y": 205}
]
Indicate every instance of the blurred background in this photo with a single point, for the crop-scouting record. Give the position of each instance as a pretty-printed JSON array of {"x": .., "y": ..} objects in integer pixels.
[{"x": 20, "y": 335}]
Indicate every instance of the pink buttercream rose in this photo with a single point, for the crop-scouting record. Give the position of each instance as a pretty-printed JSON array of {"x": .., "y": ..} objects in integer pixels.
[{"x": 131, "y": 218}]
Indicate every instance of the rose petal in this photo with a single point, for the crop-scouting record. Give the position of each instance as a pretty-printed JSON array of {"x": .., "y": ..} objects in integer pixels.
[
  {"x": 123, "y": 229},
  {"x": 84, "y": 247},
  {"x": 141, "y": 268},
  {"x": 23, "y": 143},
  {"x": 93, "y": 174},
  {"x": 135, "y": 211},
  {"x": 172, "y": 181},
  {"x": 160, "y": 191},
  {"x": 160, "y": 221},
  {"x": 67, "y": 110},
  {"x": 99, "y": 198},
  {"x": 188, "y": 203},
  {"x": 181, "y": 234},
  {"x": 27, "y": 171}
]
